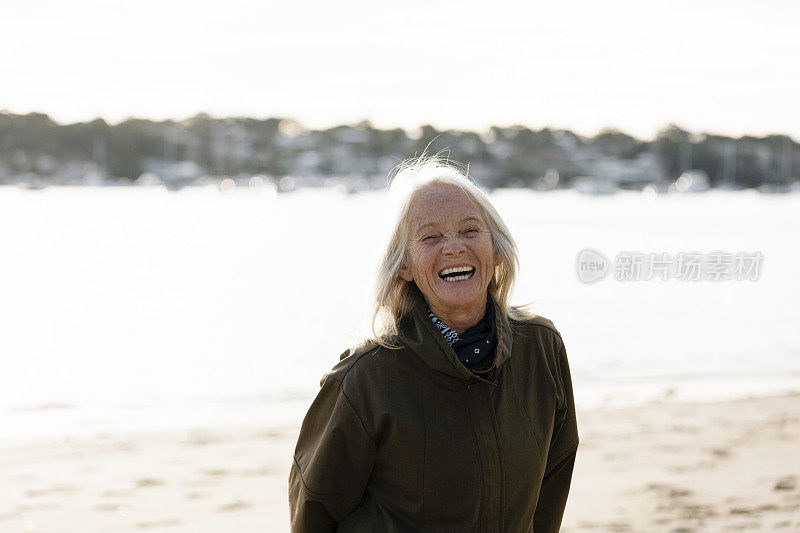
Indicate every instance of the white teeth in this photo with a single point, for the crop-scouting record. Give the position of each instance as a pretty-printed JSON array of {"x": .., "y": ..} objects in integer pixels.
[
  {"x": 459, "y": 278},
  {"x": 452, "y": 270}
]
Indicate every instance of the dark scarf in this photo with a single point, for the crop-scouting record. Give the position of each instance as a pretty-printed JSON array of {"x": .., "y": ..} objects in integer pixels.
[{"x": 473, "y": 345}]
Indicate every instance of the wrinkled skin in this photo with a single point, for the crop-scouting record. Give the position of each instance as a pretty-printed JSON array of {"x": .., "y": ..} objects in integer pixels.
[{"x": 447, "y": 229}]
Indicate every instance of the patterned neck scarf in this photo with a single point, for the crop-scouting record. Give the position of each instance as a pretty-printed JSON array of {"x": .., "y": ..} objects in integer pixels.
[{"x": 473, "y": 345}]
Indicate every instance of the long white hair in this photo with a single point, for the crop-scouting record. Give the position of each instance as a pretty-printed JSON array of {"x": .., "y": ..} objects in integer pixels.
[{"x": 394, "y": 297}]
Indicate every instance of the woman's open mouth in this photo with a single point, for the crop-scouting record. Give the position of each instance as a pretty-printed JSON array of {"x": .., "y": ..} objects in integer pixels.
[{"x": 458, "y": 273}]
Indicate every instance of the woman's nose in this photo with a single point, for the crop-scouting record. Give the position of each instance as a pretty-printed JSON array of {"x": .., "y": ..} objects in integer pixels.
[{"x": 453, "y": 246}]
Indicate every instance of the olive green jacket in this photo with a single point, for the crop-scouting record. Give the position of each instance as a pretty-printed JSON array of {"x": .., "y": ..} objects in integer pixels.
[{"x": 411, "y": 440}]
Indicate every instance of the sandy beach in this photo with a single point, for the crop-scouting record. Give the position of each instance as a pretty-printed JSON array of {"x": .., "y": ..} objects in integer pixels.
[{"x": 721, "y": 466}]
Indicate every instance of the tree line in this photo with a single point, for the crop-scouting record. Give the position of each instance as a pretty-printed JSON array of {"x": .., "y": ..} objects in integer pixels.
[{"x": 514, "y": 155}]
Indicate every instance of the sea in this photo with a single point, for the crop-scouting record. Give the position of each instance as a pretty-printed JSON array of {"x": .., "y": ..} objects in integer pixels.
[{"x": 142, "y": 309}]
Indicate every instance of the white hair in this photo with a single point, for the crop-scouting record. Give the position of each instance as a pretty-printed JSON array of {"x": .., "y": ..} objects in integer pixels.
[{"x": 393, "y": 295}]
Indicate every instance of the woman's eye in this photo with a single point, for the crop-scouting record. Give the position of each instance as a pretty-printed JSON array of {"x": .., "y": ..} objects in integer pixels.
[
  {"x": 471, "y": 232},
  {"x": 429, "y": 238}
]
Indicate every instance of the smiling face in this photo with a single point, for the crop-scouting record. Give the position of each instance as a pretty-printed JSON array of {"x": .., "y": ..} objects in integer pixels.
[{"x": 450, "y": 253}]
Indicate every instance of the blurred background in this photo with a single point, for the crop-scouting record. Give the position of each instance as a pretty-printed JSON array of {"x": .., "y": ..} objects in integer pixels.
[{"x": 192, "y": 206}]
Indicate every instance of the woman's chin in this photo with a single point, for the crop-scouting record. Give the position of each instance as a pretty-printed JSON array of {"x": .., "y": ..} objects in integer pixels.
[{"x": 460, "y": 294}]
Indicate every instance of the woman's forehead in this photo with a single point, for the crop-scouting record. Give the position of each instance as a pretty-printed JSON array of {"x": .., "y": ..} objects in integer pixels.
[
  {"x": 424, "y": 223},
  {"x": 442, "y": 204}
]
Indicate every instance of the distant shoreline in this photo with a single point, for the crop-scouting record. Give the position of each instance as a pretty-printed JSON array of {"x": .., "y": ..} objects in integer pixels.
[{"x": 36, "y": 152}]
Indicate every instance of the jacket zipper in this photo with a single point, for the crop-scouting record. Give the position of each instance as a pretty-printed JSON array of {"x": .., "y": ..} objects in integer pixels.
[{"x": 499, "y": 456}]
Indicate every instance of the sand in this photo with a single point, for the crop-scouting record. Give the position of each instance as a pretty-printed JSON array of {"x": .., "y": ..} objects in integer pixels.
[
  {"x": 721, "y": 466},
  {"x": 695, "y": 467}
]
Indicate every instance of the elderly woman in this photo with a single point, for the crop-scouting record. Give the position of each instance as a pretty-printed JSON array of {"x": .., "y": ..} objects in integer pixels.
[{"x": 459, "y": 415}]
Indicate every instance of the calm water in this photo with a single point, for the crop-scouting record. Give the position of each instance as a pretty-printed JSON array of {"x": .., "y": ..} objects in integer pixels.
[{"x": 137, "y": 308}]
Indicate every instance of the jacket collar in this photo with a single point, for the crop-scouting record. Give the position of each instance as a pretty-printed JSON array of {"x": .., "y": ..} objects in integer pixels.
[{"x": 419, "y": 334}]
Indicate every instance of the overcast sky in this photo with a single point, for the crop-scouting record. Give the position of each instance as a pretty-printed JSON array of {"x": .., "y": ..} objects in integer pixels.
[{"x": 729, "y": 66}]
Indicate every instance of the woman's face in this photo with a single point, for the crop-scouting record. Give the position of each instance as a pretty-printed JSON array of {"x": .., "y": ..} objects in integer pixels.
[{"x": 451, "y": 256}]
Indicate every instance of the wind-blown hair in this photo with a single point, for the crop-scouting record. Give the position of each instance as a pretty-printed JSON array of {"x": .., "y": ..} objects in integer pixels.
[{"x": 394, "y": 297}]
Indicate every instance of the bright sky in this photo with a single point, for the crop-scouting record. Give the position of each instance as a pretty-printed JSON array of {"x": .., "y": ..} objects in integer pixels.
[{"x": 728, "y": 66}]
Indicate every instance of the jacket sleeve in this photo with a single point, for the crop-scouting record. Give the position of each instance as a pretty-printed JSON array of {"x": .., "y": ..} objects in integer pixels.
[
  {"x": 333, "y": 461},
  {"x": 560, "y": 456}
]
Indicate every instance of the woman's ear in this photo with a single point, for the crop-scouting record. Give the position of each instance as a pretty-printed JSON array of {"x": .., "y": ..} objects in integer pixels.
[{"x": 405, "y": 273}]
